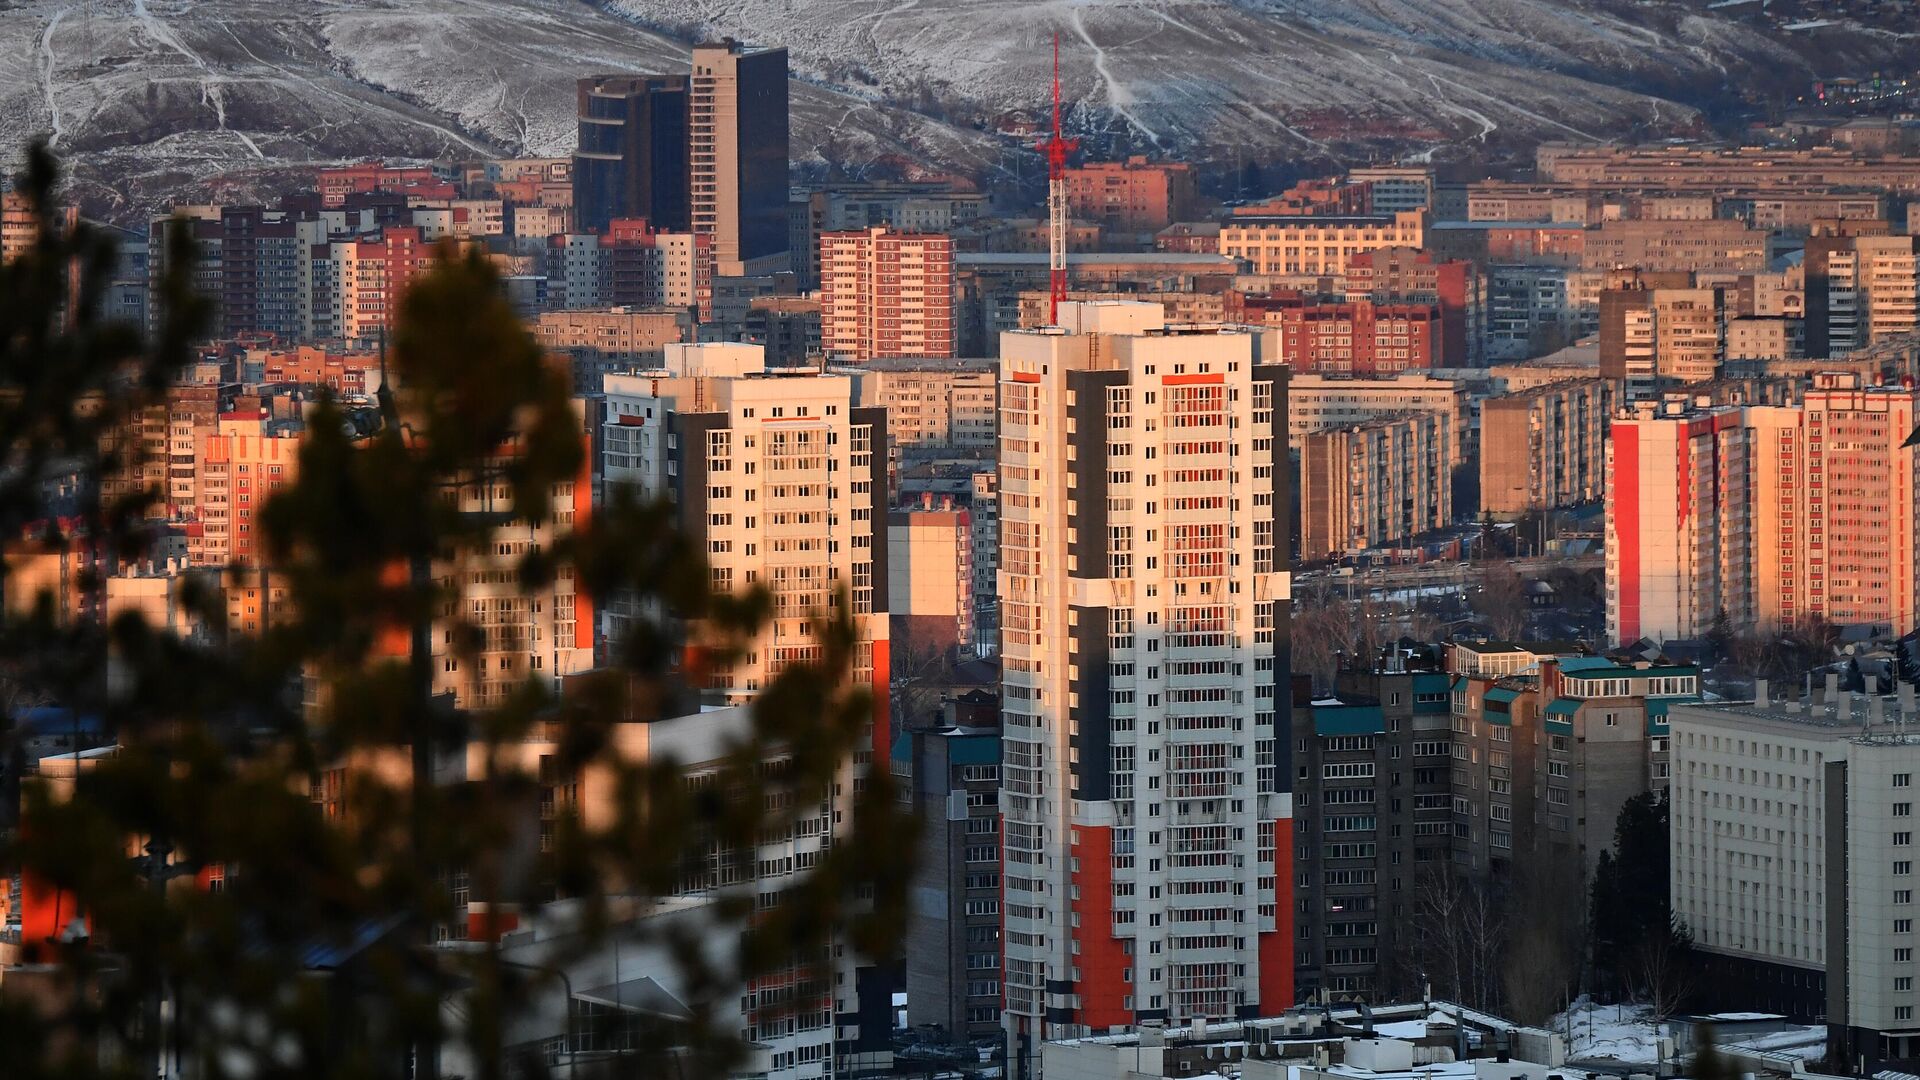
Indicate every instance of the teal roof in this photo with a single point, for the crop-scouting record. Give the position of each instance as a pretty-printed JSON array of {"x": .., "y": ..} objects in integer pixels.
[
  {"x": 1657, "y": 712},
  {"x": 981, "y": 749},
  {"x": 963, "y": 747},
  {"x": 1502, "y": 695},
  {"x": 1431, "y": 682},
  {"x": 1585, "y": 663},
  {"x": 1349, "y": 720},
  {"x": 1565, "y": 706}
]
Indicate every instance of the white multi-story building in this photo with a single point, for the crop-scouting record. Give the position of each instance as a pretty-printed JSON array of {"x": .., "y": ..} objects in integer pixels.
[
  {"x": 783, "y": 477},
  {"x": 934, "y": 406},
  {"x": 1793, "y": 861},
  {"x": 1144, "y": 595}
]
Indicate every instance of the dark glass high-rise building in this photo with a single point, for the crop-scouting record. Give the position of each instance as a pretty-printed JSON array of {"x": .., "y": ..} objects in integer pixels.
[
  {"x": 737, "y": 156},
  {"x": 632, "y": 158}
]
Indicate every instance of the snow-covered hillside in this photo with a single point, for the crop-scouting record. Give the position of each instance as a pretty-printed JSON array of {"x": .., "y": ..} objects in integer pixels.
[{"x": 152, "y": 99}]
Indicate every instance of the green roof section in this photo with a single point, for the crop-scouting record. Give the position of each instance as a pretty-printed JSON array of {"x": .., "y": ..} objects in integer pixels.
[
  {"x": 980, "y": 749},
  {"x": 1563, "y": 707},
  {"x": 1657, "y": 712},
  {"x": 1349, "y": 720},
  {"x": 1502, "y": 695},
  {"x": 963, "y": 747},
  {"x": 1584, "y": 663},
  {"x": 1432, "y": 682}
]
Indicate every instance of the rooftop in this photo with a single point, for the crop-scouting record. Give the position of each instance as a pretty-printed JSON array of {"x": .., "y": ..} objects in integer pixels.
[{"x": 1224, "y": 263}]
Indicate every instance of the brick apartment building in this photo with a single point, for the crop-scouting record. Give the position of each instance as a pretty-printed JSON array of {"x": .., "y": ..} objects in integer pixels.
[
  {"x": 1134, "y": 195},
  {"x": 886, "y": 293}
]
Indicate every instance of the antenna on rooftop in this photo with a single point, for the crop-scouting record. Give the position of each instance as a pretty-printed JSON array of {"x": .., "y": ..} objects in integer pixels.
[{"x": 1056, "y": 147}]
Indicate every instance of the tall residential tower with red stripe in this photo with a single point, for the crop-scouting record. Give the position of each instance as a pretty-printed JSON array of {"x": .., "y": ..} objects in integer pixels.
[{"x": 1144, "y": 592}]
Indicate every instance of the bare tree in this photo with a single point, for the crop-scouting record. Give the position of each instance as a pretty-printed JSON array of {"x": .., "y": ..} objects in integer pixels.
[
  {"x": 1459, "y": 929},
  {"x": 1662, "y": 971},
  {"x": 1502, "y": 599},
  {"x": 1545, "y": 939}
]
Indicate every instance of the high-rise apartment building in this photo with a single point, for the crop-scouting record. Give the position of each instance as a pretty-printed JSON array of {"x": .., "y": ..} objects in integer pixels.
[
  {"x": 1145, "y": 609},
  {"x": 886, "y": 293},
  {"x": 1677, "y": 530},
  {"x": 372, "y": 275},
  {"x": 783, "y": 477},
  {"x": 1770, "y": 513},
  {"x": 632, "y": 155},
  {"x": 953, "y": 929},
  {"x": 1545, "y": 447},
  {"x": 239, "y": 467},
  {"x": 1373, "y": 484},
  {"x": 934, "y": 407},
  {"x": 1860, "y": 513},
  {"x": 1657, "y": 329},
  {"x": 1507, "y": 761},
  {"x": 1317, "y": 402},
  {"x": 737, "y": 156},
  {"x": 930, "y": 558},
  {"x": 1861, "y": 291}
]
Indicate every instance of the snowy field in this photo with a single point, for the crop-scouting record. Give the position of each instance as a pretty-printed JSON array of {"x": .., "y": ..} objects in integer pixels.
[{"x": 1627, "y": 1034}]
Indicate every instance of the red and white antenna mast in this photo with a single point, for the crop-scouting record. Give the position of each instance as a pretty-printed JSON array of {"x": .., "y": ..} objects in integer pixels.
[{"x": 1056, "y": 147}]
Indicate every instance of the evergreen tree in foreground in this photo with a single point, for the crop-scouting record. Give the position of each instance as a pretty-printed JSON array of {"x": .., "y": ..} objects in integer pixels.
[{"x": 223, "y": 746}]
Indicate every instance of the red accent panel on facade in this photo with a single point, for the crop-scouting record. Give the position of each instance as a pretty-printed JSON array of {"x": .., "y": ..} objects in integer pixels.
[
  {"x": 1276, "y": 948},
  {"x": 583, "y": 620},
  {"x": 1102, "y": 959},
  {"x": 1626, "y": 516},
  {"x": 1025, "y": 377},
  {"x": 45, "y": 912},
  {"x": 882, "y": 704},
  {"x": 1191, "y": 380}
]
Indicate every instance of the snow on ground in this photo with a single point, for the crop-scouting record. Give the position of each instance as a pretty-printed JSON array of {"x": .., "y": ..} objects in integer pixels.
[
  {"x": 1609, "y": 1032},
  {"x": 1627, "y": 1033}
]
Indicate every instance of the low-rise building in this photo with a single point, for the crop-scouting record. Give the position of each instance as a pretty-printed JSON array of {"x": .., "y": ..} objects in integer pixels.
[{"x": 1314, "y": 244}]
